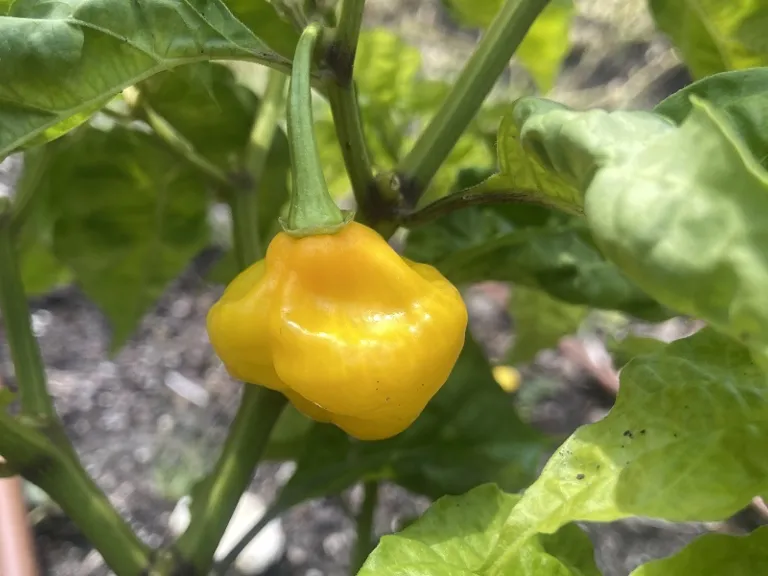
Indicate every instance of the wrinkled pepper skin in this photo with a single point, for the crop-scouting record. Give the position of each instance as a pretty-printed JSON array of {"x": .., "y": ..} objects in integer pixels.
[{"x": 348, "y": 330}]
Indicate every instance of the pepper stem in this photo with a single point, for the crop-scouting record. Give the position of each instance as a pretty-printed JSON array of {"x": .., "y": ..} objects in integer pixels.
[{"x": 312, "y": 210}]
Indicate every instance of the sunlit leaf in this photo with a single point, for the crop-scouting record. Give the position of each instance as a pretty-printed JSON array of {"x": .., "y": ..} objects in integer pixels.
[
  {"x": 715, "y": 554},
  {"x": 715, "y": 36},
  {"x": 63, "y": 60},
  {"x": 684, "y": 442},
  {"x": 457, "y": 534},
  {"x": 704, "y": 204},
  {"x": 740, "y": 96}
]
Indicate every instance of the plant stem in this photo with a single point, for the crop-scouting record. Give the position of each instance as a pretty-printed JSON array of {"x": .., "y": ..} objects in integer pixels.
[
  {"x": 221, "y": 567},
  {"x": 215, "y": 499},
  {"x": 245, "y": 227},
  {"x": 467, "y": 95},
  {"x": 244, "y": 199},
  {"x": 27, "y": 361},
  {"x": 341, "y": 56},
  {"x": 349, "y": 131},
  {"x": 342, "y": 96},
  {"x": 264, "y": 127},
  {"x": 365, "y": 525},
  {"x": 61, "y": 476}
]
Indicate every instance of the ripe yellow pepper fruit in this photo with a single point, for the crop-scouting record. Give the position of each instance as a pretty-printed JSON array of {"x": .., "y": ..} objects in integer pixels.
[{"x": 349, "y": 331}]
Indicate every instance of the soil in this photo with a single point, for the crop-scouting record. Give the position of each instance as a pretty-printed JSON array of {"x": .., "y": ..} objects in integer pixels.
[{"x": 143, "y": 442}]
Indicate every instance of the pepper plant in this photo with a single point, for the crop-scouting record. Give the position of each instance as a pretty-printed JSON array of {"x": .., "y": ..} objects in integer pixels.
[{"x": 134, "y": 118}]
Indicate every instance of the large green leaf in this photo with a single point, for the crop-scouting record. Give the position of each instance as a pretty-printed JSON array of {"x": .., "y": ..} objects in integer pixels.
[
  {"x": 700, "y": 245},
  {"x": 457, "y": 534},
  {"x": 129, "y": 217},
  {"x": 476, "y": 244},
  {"x": 540, "y": 322},
  {"x": 739, "y": 95},
  {"x": 702, "y": 199},
  {"x": 556, "y": 151},
  {"x": 63, "y": 60},
  {"x": 468, "y": 434},
  {"x": 544, "y": 46},
  {"x": 715, "y": 36},
  {"x": 684, "y": 442},
  {"x": 547, "y": 153},
  {"x": 715, "y": 554}
]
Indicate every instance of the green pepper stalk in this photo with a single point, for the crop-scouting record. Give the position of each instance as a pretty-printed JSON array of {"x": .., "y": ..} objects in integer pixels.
[{"x": 312, "y": 210}]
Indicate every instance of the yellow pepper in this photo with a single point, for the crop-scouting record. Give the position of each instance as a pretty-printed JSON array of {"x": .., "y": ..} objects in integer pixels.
[{"x": 348, "y": 330}]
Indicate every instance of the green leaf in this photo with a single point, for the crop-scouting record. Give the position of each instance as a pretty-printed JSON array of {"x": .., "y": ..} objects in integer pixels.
[
  {"x": 130, "y": 217},
  {"x": 479, "y": 243},
  {"x": 63, "y": 60},
  {"x": 206, "y": 105},
  {"x": 715, "y": 554},
  {"x": 41, "y": 271},
  {"x": 263, "y": 20},
  {"x": 741, "y": 96},
  {"x": 715, "y": 36},
  {"x": 684, "y": 442},
  {"x": 456, "y": 535},
  {"x": 468, "y": 434},
  {"x": 385, "y": 68},
  {"x": 622, "y": 351},
  {"x": 555, "y": 151},
  {"x": 540, "y": 322},
  {"x": 704, "y": 203}
]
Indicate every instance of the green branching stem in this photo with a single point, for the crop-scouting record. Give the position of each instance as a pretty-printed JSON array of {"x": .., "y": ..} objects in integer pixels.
[
  {"x": 373, "y": 207},
  {"x": 36, "y": 447},
  {"x": 354, "y": 149},
  {"x": 215, "y": 499},
  {"x": 364, "y": 520},
  {"x": 469, "y": 91},
  {"x": 342, "y": 57},
  {"x": 27, "y": 361},
  {"x": 62, "y": 477},
  {"x": 217, "y": 496}
]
